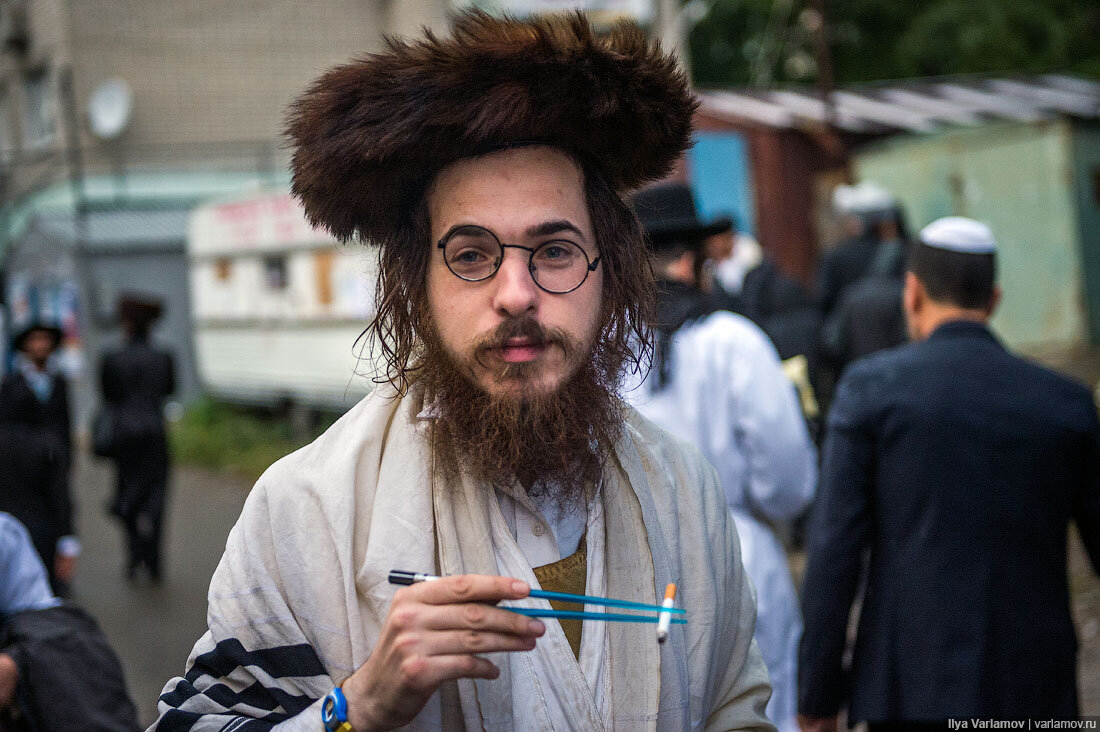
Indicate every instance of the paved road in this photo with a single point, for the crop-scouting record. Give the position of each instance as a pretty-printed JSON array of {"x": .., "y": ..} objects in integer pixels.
[{"x": 153, "y": 627}]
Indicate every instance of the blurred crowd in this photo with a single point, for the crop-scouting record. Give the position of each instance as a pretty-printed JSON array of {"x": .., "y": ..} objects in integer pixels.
[
  {"x": 50, "y": 645},
  {"x": 949, "y": 468}
]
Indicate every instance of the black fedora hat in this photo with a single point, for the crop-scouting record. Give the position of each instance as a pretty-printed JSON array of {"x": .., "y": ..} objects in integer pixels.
[
  {"x": 667, "y": 213},
  {"x": 36, "y": 325}
]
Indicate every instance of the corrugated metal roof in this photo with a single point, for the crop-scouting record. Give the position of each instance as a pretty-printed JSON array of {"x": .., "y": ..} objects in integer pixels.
[
  {"x": 121, "y": 229},
  {"x": 912, "y": 106}
]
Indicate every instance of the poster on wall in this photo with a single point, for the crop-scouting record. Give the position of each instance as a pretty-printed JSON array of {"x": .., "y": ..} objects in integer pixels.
[
  {"x": 600, "y": 10},
  {"x": 52, "y": 301}
]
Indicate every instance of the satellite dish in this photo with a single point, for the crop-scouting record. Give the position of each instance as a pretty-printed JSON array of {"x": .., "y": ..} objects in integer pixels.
[{"x": 109, "y": 108}]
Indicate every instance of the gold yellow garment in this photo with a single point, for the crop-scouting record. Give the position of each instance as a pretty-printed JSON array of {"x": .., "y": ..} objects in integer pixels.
[{"x": 567, "y": 575}]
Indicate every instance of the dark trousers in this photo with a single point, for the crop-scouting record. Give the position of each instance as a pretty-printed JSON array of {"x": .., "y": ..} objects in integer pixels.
[{"x": 142, "y": 491}]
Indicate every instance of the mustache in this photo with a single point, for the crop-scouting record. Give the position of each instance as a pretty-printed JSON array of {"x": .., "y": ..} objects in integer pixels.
[{"x": 528, "y": 329}]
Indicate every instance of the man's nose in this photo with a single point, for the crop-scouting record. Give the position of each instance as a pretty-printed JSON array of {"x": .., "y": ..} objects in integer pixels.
[{"x": 516, "y": 291}]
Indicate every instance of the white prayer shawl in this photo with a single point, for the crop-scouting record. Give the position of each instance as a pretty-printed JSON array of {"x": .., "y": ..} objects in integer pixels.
[
  {"x": 301, "y": 593},
  {"x": 728, "y": 395}
]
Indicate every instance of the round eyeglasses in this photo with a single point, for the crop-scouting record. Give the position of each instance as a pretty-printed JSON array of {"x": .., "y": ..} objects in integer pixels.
[{"x": 473, "y": 253}]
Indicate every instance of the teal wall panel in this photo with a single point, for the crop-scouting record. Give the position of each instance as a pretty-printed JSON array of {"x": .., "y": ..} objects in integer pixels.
[{"x": 1018, "y": 179}]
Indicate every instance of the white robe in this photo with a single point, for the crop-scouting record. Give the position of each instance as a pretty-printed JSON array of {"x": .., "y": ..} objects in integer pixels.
[
  {"x": 300, "y": 595},
  {"x": 728, "y": 395}
]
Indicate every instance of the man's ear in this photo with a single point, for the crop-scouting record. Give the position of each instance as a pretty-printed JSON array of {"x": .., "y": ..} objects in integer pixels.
[
  {"x": 993, "y": 302},
  {"x": 913, "y": 295},
  {"x": 682, "y": 269}
]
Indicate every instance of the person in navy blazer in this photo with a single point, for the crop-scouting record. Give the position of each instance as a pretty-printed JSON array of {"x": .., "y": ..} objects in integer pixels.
[{"x": 951, "y": 470}]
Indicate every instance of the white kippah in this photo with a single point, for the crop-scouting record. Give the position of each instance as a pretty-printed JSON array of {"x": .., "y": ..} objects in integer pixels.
[
  {"x": 959, "y": 234},
  {"x": 863, "y": 198}
]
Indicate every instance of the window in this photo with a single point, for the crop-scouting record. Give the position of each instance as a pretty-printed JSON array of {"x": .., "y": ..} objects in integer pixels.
[
  {"x": 223, "y": 269},
  {"x": 39, "y": 110},
  {"x": 275, "y": 272}
]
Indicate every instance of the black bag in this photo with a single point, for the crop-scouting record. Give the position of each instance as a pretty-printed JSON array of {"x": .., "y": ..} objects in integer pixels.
[
  {"x": 117, "y": 427},
  {"x": 104, "y": 433},
  {"x": 69, "y": 677}
]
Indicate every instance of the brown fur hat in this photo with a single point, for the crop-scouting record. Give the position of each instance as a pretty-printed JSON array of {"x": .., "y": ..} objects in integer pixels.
[
  {"x": 369, "y": 135},
  {"x": 139, "y": 308}
]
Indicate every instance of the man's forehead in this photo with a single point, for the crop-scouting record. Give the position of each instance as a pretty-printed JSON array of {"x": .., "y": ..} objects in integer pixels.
[
  {"x": 516, "y": 163},
  {"x": 538, "y": 184}
]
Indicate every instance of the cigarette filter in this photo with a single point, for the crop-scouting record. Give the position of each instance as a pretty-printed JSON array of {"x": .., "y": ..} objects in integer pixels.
[{"x": 665, "y": 618}]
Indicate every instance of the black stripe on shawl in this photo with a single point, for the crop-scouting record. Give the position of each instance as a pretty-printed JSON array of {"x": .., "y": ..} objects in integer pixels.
[
  {"x": 258, "y": 696},
  {"x": 181, "y": 693},
  {"x": 277, "y": 662},
  {"x": 179, "y": 721},
  {"x": 176, "y": 721}
]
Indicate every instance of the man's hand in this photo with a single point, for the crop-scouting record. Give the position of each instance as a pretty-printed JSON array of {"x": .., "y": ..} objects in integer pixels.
[
  {"x": 64, "y": 567},
  {"x": 9, "y": 679},
  {"x": 817, "y": 724},
  {"x": 431, "y": 635}
]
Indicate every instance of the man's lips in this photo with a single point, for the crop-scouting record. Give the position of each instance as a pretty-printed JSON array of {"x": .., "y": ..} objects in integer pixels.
[{"x": 521, "y": 350}]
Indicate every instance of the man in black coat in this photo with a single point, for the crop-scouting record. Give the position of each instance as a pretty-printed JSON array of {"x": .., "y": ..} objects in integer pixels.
[
  {"x": 865, "y": 207},
  {"x": 34, "y": 489},
  {"x": 35, "y": 394},
  {"x": 34, "y": 413},
  {"x": 957, "y": 466},
  {"x": 136, "y": 379}
]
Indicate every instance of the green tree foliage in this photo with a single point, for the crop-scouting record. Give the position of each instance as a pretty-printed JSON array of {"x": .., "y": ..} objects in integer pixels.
[{"x": 763, "y": 42}]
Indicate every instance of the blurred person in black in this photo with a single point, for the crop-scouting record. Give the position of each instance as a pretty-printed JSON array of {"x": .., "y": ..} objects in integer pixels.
[
  {"x": 36, "y": 439},
  {"x": 727, "y": 257},
  {"x": 868, "y": 314},
  {"x": 859, "y": 207},
  {"x": 35, "y": 394},
  {"x": 786, "y": 311},
  {"x": 957, "y": 466},
  {"x": 34, "y": 489},
  {"x": 136, "y": 379}
]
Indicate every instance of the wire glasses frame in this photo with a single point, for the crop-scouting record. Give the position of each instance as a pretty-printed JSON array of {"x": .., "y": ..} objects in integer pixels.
[{"x": 474, "y": 254}]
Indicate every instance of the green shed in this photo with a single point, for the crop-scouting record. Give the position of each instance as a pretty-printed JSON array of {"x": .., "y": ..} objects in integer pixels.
[{"x": 1037, "y": 184}]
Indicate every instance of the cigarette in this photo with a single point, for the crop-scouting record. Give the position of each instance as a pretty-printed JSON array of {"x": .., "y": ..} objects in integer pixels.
[{"x": 665, "y": 618}]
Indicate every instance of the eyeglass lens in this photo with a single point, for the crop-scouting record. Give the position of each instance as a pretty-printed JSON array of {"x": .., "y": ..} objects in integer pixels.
[{"x": 474, "y": 253}]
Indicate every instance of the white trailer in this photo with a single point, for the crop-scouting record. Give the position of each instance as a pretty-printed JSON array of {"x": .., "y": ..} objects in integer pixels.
[{"x": 278, "y": 306}]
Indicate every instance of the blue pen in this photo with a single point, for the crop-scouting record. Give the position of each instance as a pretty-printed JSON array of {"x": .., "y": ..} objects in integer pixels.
[{"x": 402, "y": 577}]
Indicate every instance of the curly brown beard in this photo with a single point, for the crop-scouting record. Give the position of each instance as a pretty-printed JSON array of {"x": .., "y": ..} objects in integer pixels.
[{"x": 550, "y": 444}]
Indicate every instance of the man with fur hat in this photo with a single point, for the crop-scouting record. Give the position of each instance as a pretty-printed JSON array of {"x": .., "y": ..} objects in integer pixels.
[
  {"x": 136, "y": 378},
  {"x": 34, "y": 411},
  {"x": 489, "y": 167},
  {"x": 718, "y": 384}
]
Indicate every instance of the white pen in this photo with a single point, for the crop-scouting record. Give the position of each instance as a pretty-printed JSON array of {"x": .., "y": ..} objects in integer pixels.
[{"x": 665, "y": 618}]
